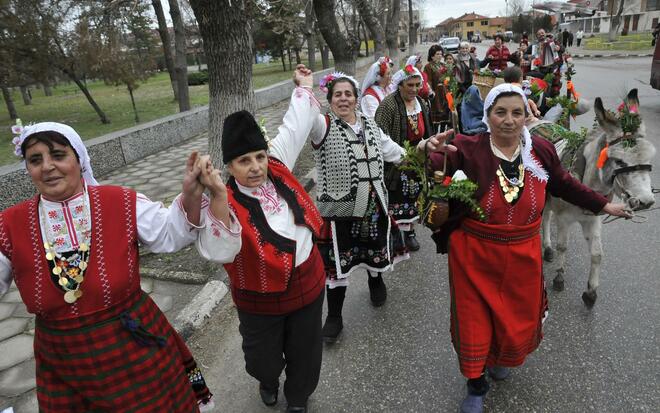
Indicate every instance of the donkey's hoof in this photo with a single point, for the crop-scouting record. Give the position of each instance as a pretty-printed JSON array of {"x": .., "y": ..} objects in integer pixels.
[
  {"x": 548, "y": 254},
  {"x": 558, "y": 285},
  {"x": 589, "y": 298}
]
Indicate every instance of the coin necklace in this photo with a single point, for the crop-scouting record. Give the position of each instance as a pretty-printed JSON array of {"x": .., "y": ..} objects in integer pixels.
[
  {"x": 511, "y": 187},
  {"x": 70, "y": 270},
  {"x": 414, "y": 123}
]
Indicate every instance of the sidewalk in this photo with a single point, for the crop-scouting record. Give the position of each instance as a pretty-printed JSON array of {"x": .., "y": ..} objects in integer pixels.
[{"x": 185, "y": 303}]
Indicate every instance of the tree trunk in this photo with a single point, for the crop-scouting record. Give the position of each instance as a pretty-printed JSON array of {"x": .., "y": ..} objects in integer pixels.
[
  {"x": 392, "y": 30},
  {"x": 167, "y": 45},
  {"x": 283, "y": 61},
  {"x": 298, "y": 60},
  {"x": 412, "y": 29},
  {"x": 366, "y": 38},
  {"x": 27, "y": 99},
  {"x": 6, "y": 94},
  {"x": 310, "y": 38},
  {"x": 325, "y": 56},
  {"x": 180, "y": 62},
  {"x": 344, "y": 47},
  {"x": 288, "y": 55},
  {"x": 48, "y": 91},
  {"x": 615, "y": 20},
  {"x": 90, "y": 99},
  {"x": 130, "y": 92},
  {"x": 374, "y": 25},
  {"x": 225, "y": 28}
]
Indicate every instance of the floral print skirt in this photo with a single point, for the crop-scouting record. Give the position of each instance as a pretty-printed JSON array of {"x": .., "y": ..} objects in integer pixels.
[
  {"x": 403, "y": 200},
  {"x": 373, "y": 242}
]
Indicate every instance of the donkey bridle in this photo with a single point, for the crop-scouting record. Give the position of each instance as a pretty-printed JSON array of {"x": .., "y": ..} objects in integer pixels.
[{"x": 628, "y": 169}]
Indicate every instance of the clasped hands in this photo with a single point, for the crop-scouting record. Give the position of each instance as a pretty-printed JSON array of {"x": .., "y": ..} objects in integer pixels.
[{"x": 200, "y": 175}]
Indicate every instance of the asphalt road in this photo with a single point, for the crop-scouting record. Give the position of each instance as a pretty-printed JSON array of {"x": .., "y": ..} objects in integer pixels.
[{"x": 398, "y": 358}]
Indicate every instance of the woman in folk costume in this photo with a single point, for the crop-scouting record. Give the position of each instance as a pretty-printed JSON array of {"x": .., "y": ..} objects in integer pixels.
[
  {"x": 435, "y": 70},
  {"x": 466, "y": 66},
  {"x": 375, "y": 86},
  {"x": 100, "y": 343},
  {"x": 495, "y": 267},
  {"x": 277, "y": 278},
  {"x": 352, "y": 197},
  {"x": 405, "y": 117},
  {"x": 425, "y": 91}
]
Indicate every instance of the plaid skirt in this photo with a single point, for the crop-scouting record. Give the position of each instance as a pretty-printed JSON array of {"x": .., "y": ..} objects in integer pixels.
[{"x": 125, "y": 359}]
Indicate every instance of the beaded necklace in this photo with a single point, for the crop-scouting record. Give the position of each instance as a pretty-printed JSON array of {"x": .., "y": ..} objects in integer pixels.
[{"x": 70, "y": 270}]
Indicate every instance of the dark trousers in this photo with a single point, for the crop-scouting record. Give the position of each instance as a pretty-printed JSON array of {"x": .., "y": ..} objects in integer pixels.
[{"x": 273, "y": 342}]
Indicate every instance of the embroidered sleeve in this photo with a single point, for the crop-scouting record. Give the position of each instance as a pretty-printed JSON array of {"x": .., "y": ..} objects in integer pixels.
[
  {"x": 319, "y": 130},
  {"x": 164, "y": 229},
  {"x": 217, "y": 242},
  {"x": 295, "y": 128},
  {"x": 392, "y": 152}
]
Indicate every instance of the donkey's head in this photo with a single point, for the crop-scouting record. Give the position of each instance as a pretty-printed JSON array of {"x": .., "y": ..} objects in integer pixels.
[{"x": 625, "y": 153}]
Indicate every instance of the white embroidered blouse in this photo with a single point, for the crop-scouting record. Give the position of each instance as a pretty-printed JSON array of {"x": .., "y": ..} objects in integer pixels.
[{"x": 67, "y": 224}]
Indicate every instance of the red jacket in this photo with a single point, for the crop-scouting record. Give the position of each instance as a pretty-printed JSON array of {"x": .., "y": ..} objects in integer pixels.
[
  {"x": 263, "y": 278},
  {"x": 500, "y": 57}
]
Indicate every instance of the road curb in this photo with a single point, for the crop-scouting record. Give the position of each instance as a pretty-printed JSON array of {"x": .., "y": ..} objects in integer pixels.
[
  {"x": 617, "y": 56},
  {"x": 200, "y": 308}
]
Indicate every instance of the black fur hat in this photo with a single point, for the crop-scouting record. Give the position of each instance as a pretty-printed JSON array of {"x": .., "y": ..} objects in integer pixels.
[{"x": 241, "y": 134}]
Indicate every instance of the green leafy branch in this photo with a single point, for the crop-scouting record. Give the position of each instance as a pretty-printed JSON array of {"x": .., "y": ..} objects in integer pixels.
[{"x": 458, "y": 190}]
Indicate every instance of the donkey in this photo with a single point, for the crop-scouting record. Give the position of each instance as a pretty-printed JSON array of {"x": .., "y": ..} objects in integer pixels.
[{"x": 625, "y": 174}]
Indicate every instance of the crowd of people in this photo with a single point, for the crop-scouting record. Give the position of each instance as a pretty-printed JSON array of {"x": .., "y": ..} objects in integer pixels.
[{"x": 285, "y": 252}]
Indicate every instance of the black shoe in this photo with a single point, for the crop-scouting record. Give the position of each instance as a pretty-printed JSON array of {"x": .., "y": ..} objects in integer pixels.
[
  {"x": 268, "y": 396},
  {"x": 411, "y": 241},
  {"x": 296, "y": 409},
  {"x": 377, "y": 290},
  {"x": 331, "y": 329}
]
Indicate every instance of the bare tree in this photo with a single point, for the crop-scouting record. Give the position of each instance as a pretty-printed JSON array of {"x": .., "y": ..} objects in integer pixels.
[
  {"x": 392, "y": 29},
  {"x": 615, "y": 19},
  {"x": 310, "y": 36},
  {"x": 377, "y": 30},
  {"x": 225, "y": 29},
  {"x": 344, "y": 46},
  {"x": 180, "y": 61},
  {"x": 167, "y": 45}
]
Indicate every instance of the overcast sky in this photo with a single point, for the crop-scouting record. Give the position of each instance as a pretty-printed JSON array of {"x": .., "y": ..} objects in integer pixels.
[{"x": 436, "y": 11}]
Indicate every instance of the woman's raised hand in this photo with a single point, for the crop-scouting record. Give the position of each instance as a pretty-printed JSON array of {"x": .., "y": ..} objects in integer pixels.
[
  {"x": 437, "y": 143},
  {"x": 210, "y": 177},
  {"x": 192, "y": 187},
  {"x": 303, "y": 77}
]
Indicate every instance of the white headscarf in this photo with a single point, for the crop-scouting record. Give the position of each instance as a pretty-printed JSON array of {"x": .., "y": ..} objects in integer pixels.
[
  {"x": 403, "y": 75},
  {"x": 530, "y": 163},
  {"x": 373, "y": 74},
  {"x": 70, "y": 135},
  {"x": 412, "y": 60}
]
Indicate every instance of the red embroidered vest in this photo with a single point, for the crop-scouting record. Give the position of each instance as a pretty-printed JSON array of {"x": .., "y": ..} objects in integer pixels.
[
  {"x": 266, "y": 260},
  {"x": 371, "y": 92},
  {"x": 113, "y": 270}
]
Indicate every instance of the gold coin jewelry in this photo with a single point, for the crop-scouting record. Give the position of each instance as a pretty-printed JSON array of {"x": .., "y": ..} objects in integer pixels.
[
  {"x": 413, "y": 120},
  {"x": 511, "y": 187},
  {"x": 70, "y": 270}
]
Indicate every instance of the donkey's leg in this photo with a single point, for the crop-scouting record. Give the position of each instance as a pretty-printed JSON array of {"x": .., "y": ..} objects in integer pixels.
[
  {"x": 563, "y": 225},
  {"x": 591, "y": 228},
  {"x": 548, "y": 253}
]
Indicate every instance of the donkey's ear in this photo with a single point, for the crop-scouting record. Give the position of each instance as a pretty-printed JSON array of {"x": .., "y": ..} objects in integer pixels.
[
  {"x": 632, "y": 98},
  {"x": 605, "y": 119}
]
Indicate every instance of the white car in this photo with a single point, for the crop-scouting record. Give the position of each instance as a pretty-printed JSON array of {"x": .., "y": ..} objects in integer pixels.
[{"x": 450, "y": 44}]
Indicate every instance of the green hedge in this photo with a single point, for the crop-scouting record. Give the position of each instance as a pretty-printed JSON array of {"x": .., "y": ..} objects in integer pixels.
[{"x": 198, "y": 78}]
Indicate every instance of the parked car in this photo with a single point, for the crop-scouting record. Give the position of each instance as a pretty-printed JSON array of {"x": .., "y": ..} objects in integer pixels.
[
  {"x": 450, "y": 44},
  {"x": 508, "y": 35}
]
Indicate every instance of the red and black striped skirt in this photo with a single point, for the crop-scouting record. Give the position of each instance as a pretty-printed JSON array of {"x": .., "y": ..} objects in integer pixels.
[{"x": 125, "y": 359}]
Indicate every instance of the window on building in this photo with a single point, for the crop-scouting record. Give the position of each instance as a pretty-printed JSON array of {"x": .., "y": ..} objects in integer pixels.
[
  {"x": 484, "y": 22},
  {"x": 652, "y": 5},
  {"x": 588, "y": 25},
  {"x": 635, "y": 22},
  {"x": 655, "y": 23},
  {"x": 470, "y": 24}
]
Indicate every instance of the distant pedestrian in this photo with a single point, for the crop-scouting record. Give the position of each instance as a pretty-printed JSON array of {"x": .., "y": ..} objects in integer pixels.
[
  {"x": 564, "y": 38},
  {"x": 578, "y": 36},
  {"x": 570, "y": 39}
]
